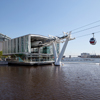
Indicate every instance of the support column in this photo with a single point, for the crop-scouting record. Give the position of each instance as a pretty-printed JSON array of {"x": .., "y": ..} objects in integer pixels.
[
  {"x": 39, "y": 53},
  {"x": 58, "y": 62},
  {"x": 54, "y": 52},
  {"x": 26, "y": 58},
  {"x": 7, "y": 46},
  {"x": 29, "y": 44},
  {"x": 10, "y": 46},
  {"x": 4, "y": 47}
]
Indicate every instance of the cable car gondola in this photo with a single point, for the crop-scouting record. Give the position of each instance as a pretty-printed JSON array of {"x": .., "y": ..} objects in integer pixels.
[{"x": 92, "y": 40}]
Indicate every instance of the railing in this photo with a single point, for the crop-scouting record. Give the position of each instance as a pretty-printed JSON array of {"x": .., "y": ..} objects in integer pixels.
[{"x": 30, "y": 60}]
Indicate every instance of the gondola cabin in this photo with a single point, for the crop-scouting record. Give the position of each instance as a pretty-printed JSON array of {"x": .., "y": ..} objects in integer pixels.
[{"x": 92, "y": 41}]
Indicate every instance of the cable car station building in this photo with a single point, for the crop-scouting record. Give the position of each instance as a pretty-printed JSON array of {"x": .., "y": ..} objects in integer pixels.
[{"x": 29, "y": 49}]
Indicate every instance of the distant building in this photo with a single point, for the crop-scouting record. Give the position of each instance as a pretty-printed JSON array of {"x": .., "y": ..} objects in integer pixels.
[
  {"x": 85, "y": 55},
  {"x": 94, "y": 56},
  {"x": 88, "y": 55},
  {"x": 3, "y": 38}
]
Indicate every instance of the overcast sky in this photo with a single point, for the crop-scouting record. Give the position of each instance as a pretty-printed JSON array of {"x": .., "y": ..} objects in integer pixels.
[{"x": 44, "y": 17}]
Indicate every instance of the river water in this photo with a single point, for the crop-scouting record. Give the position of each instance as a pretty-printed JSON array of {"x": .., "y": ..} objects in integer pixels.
[{"x": 74, "y": 81}]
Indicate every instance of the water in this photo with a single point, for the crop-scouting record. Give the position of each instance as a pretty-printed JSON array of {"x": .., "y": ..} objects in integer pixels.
[{"x": 76, "y": 81}]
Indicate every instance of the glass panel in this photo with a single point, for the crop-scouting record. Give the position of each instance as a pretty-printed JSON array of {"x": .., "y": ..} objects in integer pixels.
[
  {"x": 18, "y": 44},
  {"x": 35, "y": 50},
  {"x": 14, "y": 45},
  {"x": 22, "y": 44},
  {"x": 11, "y": 46},
  {"x": 57, "y": 48},
  {"x": 26, "y": 43},
  {"x": 46, "y": 50}
]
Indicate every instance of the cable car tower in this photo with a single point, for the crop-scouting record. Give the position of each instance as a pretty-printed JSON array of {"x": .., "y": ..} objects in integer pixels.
[{"x": 67, "y": 38}]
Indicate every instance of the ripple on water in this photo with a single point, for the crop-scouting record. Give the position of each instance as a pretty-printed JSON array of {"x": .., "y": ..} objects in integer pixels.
[{"x": 68, "y": 82}]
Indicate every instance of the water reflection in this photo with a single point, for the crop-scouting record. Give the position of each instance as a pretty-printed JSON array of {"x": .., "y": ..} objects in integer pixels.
[{"x": 68, "y": 82}]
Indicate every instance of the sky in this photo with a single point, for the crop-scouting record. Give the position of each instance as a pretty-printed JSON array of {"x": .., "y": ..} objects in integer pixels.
[{"x": 52, "y": 17}]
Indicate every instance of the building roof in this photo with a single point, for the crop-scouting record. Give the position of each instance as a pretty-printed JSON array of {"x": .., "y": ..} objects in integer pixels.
[
  {"x": 33, "y": 35},
  {"x": 2, "y": 36}
]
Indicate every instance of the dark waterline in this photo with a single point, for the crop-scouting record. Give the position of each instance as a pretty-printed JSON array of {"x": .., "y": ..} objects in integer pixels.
[{"x": 68, "y": 82}]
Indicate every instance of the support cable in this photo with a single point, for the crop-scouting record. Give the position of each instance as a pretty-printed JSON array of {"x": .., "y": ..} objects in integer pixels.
[
  {"x": 86, "y": 29},
  {"x": 87, "y": 34},
  {"x": 86, "y": 25}
]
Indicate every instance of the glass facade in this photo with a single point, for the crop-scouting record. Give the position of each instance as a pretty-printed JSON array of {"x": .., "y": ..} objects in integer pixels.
[
  {"x": 4, "y": 37},
  {"x": 47, "y": 50},
  {"x": 19, "y": 47}
]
